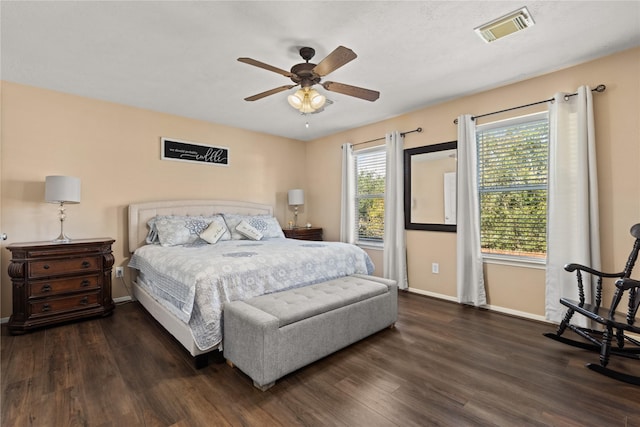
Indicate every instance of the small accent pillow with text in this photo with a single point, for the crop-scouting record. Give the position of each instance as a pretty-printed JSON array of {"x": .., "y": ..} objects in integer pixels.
[
  {"x": 214, "y": 232},
  {"x": 248, "y": 231}
]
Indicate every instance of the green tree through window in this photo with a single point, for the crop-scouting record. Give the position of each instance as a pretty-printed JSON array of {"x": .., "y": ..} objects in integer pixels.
[
  {"x": 370, "y": 181},
  {"x": 512, "y": 185}
]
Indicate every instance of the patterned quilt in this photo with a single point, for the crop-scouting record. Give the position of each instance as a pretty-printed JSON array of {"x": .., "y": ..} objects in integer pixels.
[{"x": 194, "y": 282}]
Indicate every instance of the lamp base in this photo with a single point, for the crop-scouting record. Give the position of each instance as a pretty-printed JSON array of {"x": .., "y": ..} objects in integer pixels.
[{"x": 62, "y": 238}]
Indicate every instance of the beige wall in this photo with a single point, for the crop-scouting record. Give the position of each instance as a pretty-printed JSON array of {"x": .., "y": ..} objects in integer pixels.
[
  {"x": 115, "y": 151},
  {"x": 515, "y": 289}
]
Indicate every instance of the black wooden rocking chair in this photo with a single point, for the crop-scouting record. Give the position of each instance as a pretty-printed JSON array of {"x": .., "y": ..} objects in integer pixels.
[{"x": 613, "y": 323}]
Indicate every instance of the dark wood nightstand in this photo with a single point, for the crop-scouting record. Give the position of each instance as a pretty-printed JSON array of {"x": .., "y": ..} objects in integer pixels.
[
  {"x": 58, "y": 282},
  {"x": 303, "y": 233}
]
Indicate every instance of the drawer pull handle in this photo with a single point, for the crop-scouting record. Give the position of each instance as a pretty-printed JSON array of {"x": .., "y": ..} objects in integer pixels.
[
  {"x": 86, "y": 264},
  {"x": 85, "y": 283},
  {"x": 46, "y": 288},
  {"x": 46, "y": 307},
  {"x": 46, "y": 266},
  {"x": 84, "y": 301}
]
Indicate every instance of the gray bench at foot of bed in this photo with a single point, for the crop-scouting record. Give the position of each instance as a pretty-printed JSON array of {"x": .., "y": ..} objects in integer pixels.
[{"x": 272, "y": 335}]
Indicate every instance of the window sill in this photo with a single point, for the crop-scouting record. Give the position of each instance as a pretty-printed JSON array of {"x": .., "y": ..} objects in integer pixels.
[
  {"x": 370, "y": 245},
  {"x": 513, "y": 261}
]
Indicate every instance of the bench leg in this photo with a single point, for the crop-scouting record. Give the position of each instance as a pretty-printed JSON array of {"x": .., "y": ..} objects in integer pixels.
[
  {"x": 255, "y": 384},
  {"x": 264, "y": 387}
]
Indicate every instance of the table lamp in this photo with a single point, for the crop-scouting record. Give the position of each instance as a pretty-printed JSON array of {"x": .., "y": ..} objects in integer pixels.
[
  {"x": 62, "y": 189},
  {"x": 296, "y": 198}
]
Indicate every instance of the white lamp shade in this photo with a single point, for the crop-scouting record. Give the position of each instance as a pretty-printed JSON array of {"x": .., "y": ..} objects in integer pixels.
[
  {"x": 296, "y": 197},
  {"x": 62, "y": 189}
]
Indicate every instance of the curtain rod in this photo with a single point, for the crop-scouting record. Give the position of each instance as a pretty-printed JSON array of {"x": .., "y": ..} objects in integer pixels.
[
  {"x": 380, "y": 139},
  {"x": 599, "y": 88}
]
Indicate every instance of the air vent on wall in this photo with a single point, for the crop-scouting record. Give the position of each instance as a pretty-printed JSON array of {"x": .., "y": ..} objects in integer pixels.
[{"x": 505, "y": 25}]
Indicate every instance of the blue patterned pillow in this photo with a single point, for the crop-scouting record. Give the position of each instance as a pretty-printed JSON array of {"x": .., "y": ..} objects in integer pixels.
[
  {"x": 265, "y": 224},
  {"x": 182, "y": 230}
]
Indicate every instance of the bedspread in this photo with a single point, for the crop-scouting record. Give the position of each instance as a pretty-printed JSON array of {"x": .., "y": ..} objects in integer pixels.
[{"x": 195, "y": 282}]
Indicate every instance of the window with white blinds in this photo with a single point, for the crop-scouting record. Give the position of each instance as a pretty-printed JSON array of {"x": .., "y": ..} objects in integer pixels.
[
  {"x": 370, "y": 178},
  {"x": 512, "y": 185}
]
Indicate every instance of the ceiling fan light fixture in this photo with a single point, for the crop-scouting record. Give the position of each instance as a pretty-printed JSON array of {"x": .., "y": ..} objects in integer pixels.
[
  {"x": 306, "y": 74},
  {"x": 306, "y": 100}
]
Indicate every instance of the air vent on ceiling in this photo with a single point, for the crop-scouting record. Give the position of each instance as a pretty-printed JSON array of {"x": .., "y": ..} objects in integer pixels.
[{"x": 505, "y": 25}]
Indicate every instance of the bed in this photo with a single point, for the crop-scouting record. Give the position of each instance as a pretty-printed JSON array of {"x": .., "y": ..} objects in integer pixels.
[{"x": 184, "y": 286}]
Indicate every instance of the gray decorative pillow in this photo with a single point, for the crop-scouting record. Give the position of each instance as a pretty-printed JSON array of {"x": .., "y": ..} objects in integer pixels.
[
  {"x": 183, "y": 230},
  {"x": 265, "y": 224}
]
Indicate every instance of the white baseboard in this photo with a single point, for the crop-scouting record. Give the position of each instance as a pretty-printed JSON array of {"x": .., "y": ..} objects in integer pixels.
[
  {"x": 495, "y": 308},
  {"x": 432, "y": 294}
]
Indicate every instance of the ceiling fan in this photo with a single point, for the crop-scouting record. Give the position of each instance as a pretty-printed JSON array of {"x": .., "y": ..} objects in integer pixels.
[{"x": 307, "y": 74}]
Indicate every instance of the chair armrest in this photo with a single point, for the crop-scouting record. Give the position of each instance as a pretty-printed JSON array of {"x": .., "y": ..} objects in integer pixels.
[
  {"x": 573, "y": 267},
  {"x": 627, "y": 283}
]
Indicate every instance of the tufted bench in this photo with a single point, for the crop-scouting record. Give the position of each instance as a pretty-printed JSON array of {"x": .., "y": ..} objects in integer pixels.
[{"x": 272, "y": 335}]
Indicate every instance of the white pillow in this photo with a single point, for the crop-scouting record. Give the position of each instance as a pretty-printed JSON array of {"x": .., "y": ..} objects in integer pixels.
[
  {"x": 213, "y": 233},
  {"x": 248, "y": 231}
]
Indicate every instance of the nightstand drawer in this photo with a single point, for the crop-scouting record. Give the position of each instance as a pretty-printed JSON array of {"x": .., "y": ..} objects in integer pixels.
[
  {"x": 52, "y": 306},
  {"x": 311, "y": 233},
  {"x": 57, "y": 286},
  {"x": 55, "y": 267}
]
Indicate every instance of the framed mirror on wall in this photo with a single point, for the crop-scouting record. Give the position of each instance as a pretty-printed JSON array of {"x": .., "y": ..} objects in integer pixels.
[{"x": 430, "y": 187}]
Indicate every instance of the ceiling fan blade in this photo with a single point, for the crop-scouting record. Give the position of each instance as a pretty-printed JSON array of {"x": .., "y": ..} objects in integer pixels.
[
  {"x": 265, "y": 66},
  {"x": 336, "y": 59},
  {"x": 269, "y": 92},
  {"x": 358, "y": 92}
]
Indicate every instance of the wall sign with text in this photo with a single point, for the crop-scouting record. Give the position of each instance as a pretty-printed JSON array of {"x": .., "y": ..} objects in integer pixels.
[{"x": 185, "y": 151}]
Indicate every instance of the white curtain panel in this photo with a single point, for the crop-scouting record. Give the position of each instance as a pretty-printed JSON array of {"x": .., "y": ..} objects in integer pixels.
[
  {"x": 469, "y": 271},
  {"x": 395, "y": 247},
  {"x": 572, "y": 206},
  {"x": 347, "y": 203}
]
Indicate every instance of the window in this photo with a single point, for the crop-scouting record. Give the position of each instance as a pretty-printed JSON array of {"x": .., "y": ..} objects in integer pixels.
[
  {"x": 370, "y": 181},
  {"x": 512, "y": 185}
]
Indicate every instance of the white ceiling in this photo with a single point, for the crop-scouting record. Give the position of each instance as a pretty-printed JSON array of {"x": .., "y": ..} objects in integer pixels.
[{"x": 180, "y": 57}]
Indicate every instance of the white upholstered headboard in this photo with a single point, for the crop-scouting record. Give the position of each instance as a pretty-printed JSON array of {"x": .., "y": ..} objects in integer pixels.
[{"x": 141, "y": 213}]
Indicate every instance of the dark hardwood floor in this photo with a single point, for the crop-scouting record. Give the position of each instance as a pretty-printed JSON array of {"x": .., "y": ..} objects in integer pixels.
[{"x": 443, "y": 364}]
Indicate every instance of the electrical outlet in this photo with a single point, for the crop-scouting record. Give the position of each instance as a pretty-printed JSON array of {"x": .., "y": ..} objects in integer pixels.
[
  {"x": 119, "y": 271},
  {"x": 435, "y": 268}
]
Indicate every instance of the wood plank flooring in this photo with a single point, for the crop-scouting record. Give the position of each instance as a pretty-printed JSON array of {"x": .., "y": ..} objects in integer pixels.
[{"x": 444, "y": 364}]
